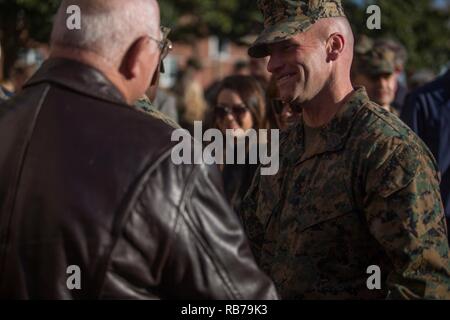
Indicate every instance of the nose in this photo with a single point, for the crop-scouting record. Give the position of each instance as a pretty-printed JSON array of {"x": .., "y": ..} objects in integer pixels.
[
  {"x": 229, "y": 117},
  {"x": 275, "y": 63},
  {"x": 382, "y": 81}
]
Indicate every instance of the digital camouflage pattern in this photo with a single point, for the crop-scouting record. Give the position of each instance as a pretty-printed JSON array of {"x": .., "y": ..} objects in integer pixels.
[
  {"x": 375, "y": 60},
  {"x": 285, "y": 18},
  {"x": 366, "y": 194},
  {"x": 363, "y": 44},
  {"x": 145, "y": 105}
]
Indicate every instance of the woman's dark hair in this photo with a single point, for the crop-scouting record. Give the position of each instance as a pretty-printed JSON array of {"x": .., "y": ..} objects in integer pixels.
[{"x": 252, "y": 95}]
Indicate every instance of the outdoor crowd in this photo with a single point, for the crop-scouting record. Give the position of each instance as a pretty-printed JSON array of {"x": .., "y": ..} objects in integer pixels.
[{"x": 87, "y": 179}]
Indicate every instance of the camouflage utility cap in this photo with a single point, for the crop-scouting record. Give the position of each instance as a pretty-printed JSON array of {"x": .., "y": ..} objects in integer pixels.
[
  {"x": 285, "y": 18},
  {"x": 376, "y": 61}
]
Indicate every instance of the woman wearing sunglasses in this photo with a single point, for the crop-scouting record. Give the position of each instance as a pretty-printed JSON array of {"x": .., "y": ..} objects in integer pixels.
[{"x": 239, "y": 104}]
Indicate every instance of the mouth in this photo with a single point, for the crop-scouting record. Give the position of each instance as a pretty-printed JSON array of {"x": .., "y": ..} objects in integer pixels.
[
  {"x": 233, "y": 126},
  {"x": 286, "y": 77}
]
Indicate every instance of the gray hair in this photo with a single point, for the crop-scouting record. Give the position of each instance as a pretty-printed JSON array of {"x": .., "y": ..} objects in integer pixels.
[{"x": 108, "y": 27}]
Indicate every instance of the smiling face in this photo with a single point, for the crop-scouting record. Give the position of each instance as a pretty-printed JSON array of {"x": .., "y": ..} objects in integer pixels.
[{"x": 300, "y": 67}]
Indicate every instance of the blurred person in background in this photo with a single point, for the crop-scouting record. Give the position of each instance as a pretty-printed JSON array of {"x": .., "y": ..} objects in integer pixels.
[
  {"x": 257, "y": 66},
  {"x": 240, "y": 104},
  {"x": 374, "y": 69},
  {"x": 190, "y": 95},
  {"x": 21, "y": 72},
  {"x": 427, "y": 113},
  {"x": 241, "y": 68},
  {"x": 166, "y": 102},
  {"x": 401, "y": 57}
]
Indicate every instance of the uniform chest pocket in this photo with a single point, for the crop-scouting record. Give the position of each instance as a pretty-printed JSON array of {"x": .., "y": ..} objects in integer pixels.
[
  {"x": 319, "y": 201},
  {"x": 319, "y": 218}
]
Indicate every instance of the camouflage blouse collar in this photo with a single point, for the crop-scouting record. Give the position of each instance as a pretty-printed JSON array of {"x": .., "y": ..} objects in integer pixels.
[{"x": 332, "y": 137}]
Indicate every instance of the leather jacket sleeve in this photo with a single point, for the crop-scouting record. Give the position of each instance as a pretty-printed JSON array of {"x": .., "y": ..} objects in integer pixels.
[{"x": 194, "y": 248}]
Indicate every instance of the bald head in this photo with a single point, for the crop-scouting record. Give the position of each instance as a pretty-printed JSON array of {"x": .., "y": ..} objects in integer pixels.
[
  {"x": 108, "y": 27},
  {"x": 327, "y": 28},
  {"x": 118, "y": 38},
  {"x": 314, "y": 65}
]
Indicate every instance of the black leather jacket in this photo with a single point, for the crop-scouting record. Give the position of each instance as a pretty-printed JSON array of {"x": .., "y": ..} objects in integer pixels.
[{"x": 86, "y": 180}]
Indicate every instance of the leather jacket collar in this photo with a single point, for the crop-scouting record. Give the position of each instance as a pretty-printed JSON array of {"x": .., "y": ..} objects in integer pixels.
[{"x": 77, "y": 76}]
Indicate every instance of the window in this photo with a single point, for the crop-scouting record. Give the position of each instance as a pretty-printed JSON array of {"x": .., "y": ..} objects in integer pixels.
[{"x": 219, "y": 49}]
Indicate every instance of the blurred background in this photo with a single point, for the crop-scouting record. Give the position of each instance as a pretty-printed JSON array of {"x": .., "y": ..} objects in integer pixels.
[
  {"x": 216, "y": 34},
  {"x": 209, "y": 77}
]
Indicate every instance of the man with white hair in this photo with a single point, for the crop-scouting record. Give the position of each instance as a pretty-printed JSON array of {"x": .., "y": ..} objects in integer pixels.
[
  {"x": 91, "y": 205},
  {"x": 354, "y": 211}
]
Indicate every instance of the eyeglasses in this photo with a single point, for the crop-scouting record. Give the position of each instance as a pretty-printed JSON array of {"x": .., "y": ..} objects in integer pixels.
[
  {"x": 164, "y": 45},
  {"x": 238, "y": 111}
]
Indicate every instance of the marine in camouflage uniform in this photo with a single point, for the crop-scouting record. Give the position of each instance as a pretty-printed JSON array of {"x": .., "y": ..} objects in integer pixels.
[
  {"x": 362, "y": 190},
  {"x": 145, "y": 105},
  {"x": 374, "y": 68}
]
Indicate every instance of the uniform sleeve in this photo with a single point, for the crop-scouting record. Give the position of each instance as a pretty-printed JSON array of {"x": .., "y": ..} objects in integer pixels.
[{"x": 404, "y": 212}]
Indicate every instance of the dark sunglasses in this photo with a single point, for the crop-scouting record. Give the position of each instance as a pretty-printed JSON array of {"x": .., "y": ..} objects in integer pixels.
[{"x": 221, "y": 111}]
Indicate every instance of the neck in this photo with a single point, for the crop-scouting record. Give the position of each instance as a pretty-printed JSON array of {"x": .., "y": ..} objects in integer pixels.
[
  {"x": 96, "y": 61},
  {"x": 386, "y": 107},
  {"x": 327, "y": 103}
]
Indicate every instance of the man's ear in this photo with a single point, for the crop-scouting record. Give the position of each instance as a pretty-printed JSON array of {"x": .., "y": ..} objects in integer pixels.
[
  {"x": 335, "y": 46},
  {"x": 136, "y": 54}
]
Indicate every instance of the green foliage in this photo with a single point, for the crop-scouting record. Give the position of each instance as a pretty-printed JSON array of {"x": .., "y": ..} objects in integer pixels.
[
  {"x": 34, "y": 16},
  {"x": 230, "y": 19},
  {"x": 420, "y": 26},
  {"x": 423, "y": 29}
]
